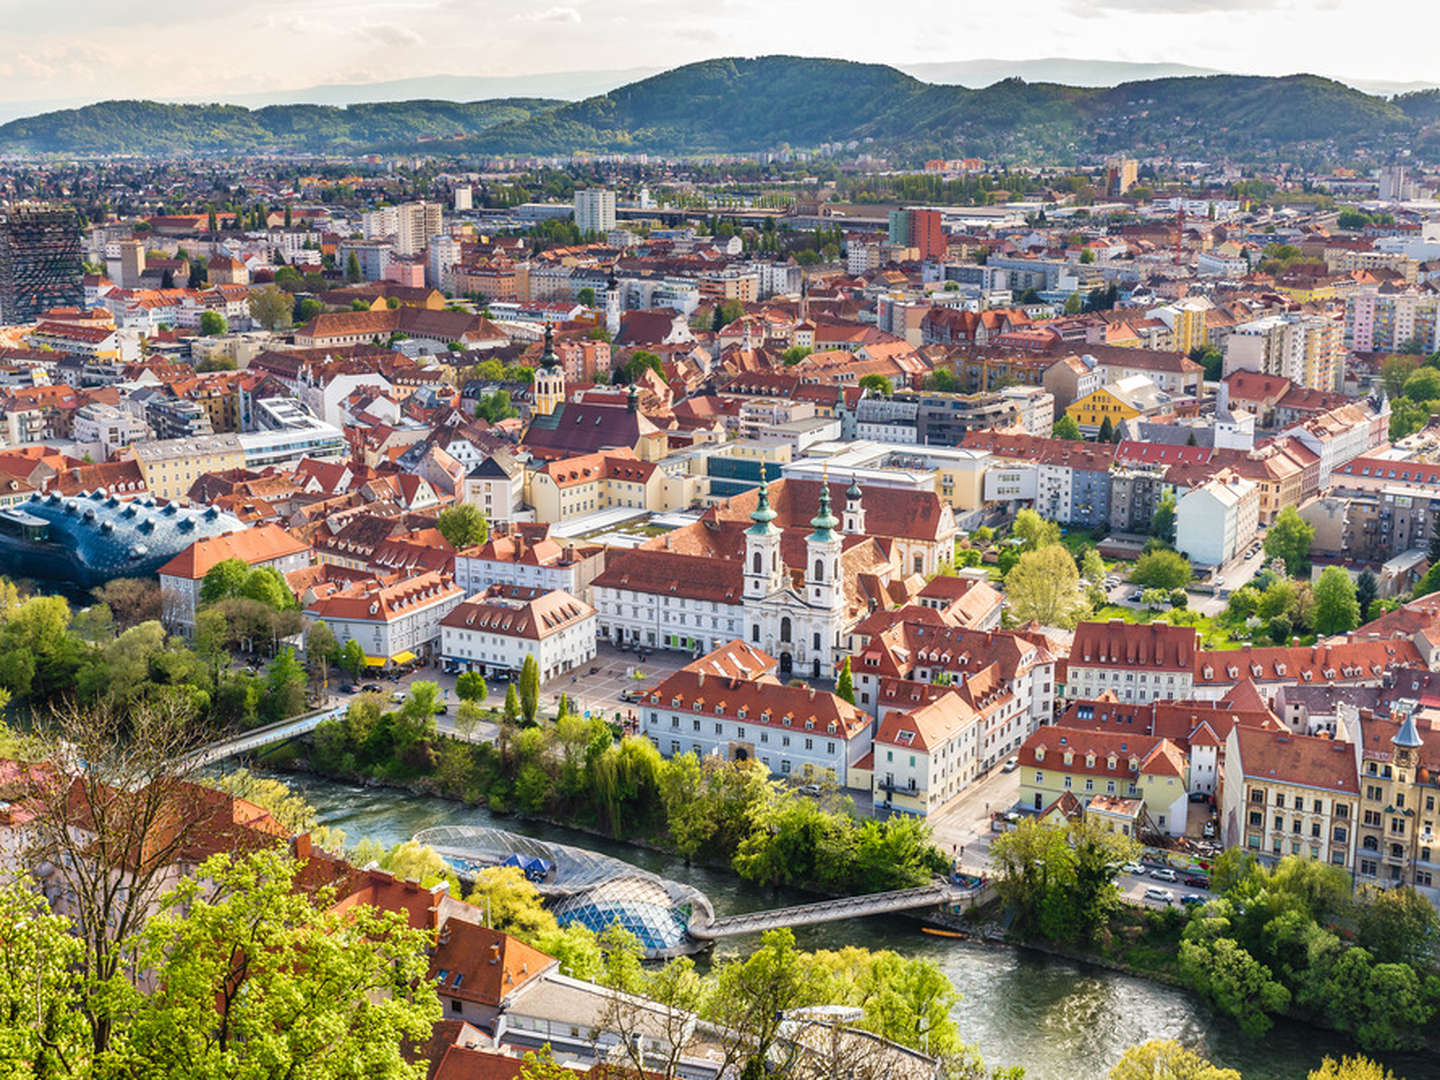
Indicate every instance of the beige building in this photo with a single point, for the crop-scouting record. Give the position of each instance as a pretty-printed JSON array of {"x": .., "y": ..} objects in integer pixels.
[
  {"x": 569, "y": 488},
  {"x": 1287, "y": 794},
  {"x": 170, "y": 466}
]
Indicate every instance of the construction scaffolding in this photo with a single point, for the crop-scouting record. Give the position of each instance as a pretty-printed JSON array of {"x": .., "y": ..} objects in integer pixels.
[{"x": 40, "y": 262}]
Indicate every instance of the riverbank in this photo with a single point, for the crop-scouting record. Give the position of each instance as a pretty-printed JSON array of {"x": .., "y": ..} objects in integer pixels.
[{"x": 1062, "y": 1019}]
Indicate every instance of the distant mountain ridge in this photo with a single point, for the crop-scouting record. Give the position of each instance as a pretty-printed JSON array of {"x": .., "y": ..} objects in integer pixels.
[{"x": 762, "y": 103}]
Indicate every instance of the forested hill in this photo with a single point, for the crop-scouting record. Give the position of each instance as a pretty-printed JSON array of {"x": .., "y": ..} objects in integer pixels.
[
  {"x": 154, "y": 128},
  {"x": 764, "y": 103}
]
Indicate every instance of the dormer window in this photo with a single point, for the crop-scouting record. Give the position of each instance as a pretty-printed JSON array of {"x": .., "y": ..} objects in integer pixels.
[
  {"x": 1039, "y": 753},
  {"x": 1110, "y": 762},
  {"x": 1069, "y": 756},
  {"x": 1090, "y": 761}
]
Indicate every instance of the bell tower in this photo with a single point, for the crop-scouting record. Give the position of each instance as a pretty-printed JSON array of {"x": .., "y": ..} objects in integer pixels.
[
  {"x": 822, "y": 554},
  {"x": 854, "y": 509},
  {"x": 549, "y": 378},
  {"x": 764, "y": 573}
]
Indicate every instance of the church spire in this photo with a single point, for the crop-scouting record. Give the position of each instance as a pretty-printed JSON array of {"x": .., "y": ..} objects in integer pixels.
[
  {"x": 762, "y": 515},
  {"x": 824, "y": 521}
]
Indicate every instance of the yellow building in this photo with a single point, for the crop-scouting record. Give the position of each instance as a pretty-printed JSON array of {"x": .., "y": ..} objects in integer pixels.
[
  {"x": 572, "y": 487},
  {"x": 1122, "y": 400},
  {"x": 1113, "y": 764},
  {"x": 171, "y": 466},
  {"x": 1189, "y": 329}
]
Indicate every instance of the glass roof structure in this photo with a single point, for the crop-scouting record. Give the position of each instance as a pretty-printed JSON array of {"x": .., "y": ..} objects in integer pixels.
[
  {"x": 86, "y": 540},
  {"x": 585, "y": 886}
]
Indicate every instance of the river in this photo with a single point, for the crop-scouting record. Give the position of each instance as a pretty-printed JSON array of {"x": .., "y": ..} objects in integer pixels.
[{"x": 1060, "y": 1020}]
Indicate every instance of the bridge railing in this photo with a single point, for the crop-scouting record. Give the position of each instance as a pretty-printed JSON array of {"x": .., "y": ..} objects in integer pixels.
[
  {"x": 263, "y": 736},
  {"x": 844, "y": 907}
]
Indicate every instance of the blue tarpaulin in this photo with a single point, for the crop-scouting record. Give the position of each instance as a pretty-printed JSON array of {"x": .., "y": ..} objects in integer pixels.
[{"x": 533, "y": 868}]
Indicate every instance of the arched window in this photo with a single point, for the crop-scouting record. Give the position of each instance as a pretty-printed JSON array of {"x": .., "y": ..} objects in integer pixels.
[
  {"x": 819, "y": 569},
  {"x": 757, "y": 563},
  {"x": 1370, "y": 844},
  {"x": 785, "y": 628},
  {"x": 755, "y": 633}
]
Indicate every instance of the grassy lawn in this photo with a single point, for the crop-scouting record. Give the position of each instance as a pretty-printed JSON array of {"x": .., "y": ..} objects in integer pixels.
[{"x": 1214, "y": 630}]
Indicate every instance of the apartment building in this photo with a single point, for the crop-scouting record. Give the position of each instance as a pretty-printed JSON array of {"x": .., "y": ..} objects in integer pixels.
[
  {"x": 396, "y": 623},
  {"x": 1090, "y": 764},
  {"x": 1136, "y": 662},
  {"x": 594, "y": 210},
  {"x": 497, "y": 630},
  {"x": 260, "y": 545},
  {"x": 1216, "y": 521},
  {"x": 794, "y": 731},
  {"x": 1289, "y": 794},
  {"x": 1309, "y": 350}
]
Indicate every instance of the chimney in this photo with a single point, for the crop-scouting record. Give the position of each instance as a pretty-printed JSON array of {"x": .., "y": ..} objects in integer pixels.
[
  {"x": 302, "y": 845},
  {"x": 700, "y": 678}
]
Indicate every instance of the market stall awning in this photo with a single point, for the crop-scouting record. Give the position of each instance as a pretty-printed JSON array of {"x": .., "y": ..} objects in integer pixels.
[
  {"x": 402, "y": 658},
  {"x": 374, "y": 661}
]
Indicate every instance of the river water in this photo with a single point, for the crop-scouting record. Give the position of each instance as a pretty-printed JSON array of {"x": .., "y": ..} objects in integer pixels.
[{"x": 1061, "y": 1021}]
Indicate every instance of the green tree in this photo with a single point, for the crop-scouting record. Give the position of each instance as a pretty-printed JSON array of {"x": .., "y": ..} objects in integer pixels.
[
  {"x": 510, "y": 711},
  {"x": 1351, "y": 1068},
  {"x": 512, "y": 904},
  {"x": 1034, "y": 531},
  {"x": 1289, "y": 540},
  {"x": 307, "y": 309},
  {"x": 1106, "y": 432},
  {"x": 272, "y": 308},
  {"x": 1161, "y": 569},
  {"x": 352, "y": 658},
  {"x": 253, "y": 976},
  {"x": 1423, "y": 384},
  {"x": 1044, "y": 587},
  {"x": 267, "y": 585},
  {"x": 463, "y": 526},
  {"x": 213, "y": 323},
  {"x": 1367, "y": 591},
  {"x": 1092, "y": 566},
  {"x": 586, "y": 296},
  {"x": 224, "y": 579},
  {"x": 877, "y": 384},
  {"x": 44, "y": 1032},
  {"x": 1066, "y": 428},
  {"x": 1397, "y": 926},
  {"x": 529, "y": 688},
  {"x": 1337, "y": 608},
  {"x": 845, "y": 684},
  {"x": 470, "y": 686},
  {"x": 1165, "y": 1059},
  {"x": 1162, "y": 522},
  {"x": 793, "y": 355},
  {"x": 1238, "y": 985},
  {"x": 284, "y": 687},
  {"x": 352, "y": 269},
  {"x": 320, "y": 644},
  {"x": 641, "y": 360}
]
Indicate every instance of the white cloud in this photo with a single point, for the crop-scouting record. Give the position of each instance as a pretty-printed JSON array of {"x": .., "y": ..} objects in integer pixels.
[{"x": 550, "y": 15}]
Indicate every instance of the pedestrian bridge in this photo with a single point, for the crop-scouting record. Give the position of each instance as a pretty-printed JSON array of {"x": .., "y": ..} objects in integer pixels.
[
  {"x": 256, "y": 738},
  {"x": 845, "y": 907}
]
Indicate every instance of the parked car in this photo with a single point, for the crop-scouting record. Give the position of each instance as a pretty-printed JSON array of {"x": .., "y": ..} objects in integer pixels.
[
  {"x": 347, "y": 688},
  {"x": 1133, "y": 868},
  {"x": 1195, "y": 881},
  {"x": 810, "y": 789},
  {"x": 372, "y": 688},
  {"x": 1154, "y": 892},
  {"x": 1199, "y": 796},
  {"x": 1209, "y": 831},
  {"x": 1163, "y": 873},
  {"x": 1011, "y": 764},
  {"x": 398, "y": 697},
  {"x": 1192, "y": 900},
  {"x": 441, "y": 709}
]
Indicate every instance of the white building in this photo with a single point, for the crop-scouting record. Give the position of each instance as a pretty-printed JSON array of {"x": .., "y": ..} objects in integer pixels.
[
  {"x": 108, "y": 427},
  {"x": 595, "y": 210},
  {"x": 729, "y": 705},
  {"x": 527, "y": 556},
  {"x": 259, "y": 545},
  {"x": 494, "y": 631},
  {"x": 393, "y": 623},
  {"x": 1216, "y": 521}
]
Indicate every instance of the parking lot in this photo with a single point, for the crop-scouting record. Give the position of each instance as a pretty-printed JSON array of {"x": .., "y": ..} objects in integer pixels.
[{"x": 601, "y": 692}]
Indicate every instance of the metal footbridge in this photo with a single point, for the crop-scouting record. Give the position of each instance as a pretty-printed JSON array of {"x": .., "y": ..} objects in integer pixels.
[
  {"x": 256, "y": 738},
  {"x": 846, "y": 907}
]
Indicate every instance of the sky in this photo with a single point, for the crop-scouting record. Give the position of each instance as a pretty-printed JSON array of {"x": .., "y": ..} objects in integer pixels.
[{"x": 93, "y": 49}]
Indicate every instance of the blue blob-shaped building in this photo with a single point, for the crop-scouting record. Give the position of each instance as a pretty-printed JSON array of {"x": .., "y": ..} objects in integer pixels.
[{"x": 82, "y": 541}]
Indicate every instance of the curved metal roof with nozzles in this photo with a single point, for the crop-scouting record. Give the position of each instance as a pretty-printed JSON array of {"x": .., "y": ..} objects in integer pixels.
[
  {"x": 585, "y": 886},
  {"x": 89, "y": 539}
]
